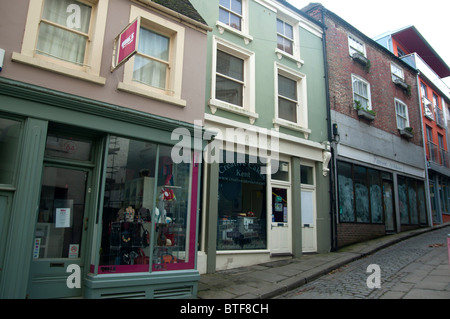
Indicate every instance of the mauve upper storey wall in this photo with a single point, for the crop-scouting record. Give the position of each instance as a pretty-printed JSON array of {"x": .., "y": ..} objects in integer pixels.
[{"x": 13, "y": 15}]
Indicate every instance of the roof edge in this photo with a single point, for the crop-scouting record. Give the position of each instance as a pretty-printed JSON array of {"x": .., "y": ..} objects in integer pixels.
[{"x": 149, "y": 3}]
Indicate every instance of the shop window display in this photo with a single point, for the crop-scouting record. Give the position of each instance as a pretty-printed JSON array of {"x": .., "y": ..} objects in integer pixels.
[
  {"x": 146, "y": 209},
  {"x": 241, "y": 206}
]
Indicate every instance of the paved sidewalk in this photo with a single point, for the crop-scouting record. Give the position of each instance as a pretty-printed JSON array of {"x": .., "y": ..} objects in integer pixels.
[{"x": 271, "y": 279}]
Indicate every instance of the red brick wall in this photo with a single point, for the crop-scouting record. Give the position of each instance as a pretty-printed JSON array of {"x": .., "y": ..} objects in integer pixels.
[
  {"x": 349, "y": 233},
  {"x": 354, "y": 233},
  {"x": 383, "y": 91}
]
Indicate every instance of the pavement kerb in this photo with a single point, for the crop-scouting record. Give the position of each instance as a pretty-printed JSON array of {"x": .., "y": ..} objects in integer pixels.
[{"x": 311, "y": 275}]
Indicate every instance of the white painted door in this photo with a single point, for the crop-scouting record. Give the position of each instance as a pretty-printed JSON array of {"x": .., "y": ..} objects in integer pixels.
[
  {"x": 280, "y": 226},
  {"x": 309, "y": 230}
]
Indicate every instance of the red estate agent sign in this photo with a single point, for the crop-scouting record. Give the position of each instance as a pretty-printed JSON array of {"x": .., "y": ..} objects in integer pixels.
[{"x": 125, "y": 44}]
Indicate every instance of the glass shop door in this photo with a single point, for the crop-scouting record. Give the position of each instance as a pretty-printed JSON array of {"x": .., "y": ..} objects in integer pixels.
[{"x": 59, "y": 232}]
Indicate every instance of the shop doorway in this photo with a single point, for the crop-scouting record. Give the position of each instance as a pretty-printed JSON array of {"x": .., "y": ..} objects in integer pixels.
[
  {"x": 280, "y": 226},
  {"x": 60, "y": 232},
  {"x": 62, "y": 217}
]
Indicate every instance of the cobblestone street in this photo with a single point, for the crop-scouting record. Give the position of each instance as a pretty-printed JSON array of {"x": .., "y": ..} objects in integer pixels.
[{"x": 415, "y": 268}]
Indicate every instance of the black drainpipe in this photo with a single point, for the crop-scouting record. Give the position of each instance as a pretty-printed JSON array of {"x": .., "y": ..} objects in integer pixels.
[{"x": 330, "y": 138}]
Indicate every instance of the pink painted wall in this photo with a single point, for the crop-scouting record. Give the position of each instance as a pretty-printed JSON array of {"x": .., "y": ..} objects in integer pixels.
[{"x": 13, "y": 16}]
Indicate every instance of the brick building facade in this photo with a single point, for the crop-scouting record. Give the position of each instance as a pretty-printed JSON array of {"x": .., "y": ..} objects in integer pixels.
[{"x": 379, "y": 169}]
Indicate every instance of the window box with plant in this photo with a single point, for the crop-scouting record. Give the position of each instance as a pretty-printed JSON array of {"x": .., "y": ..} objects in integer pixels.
[
  {"x": 364, "y": 112},
  {"x": 407, "y": 132}
]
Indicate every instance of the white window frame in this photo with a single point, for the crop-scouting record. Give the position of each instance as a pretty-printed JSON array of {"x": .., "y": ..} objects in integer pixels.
[
  {"x": 352, "y": 48},
  {"x": 244, "y": 32},
  {"x": 248, "y": 100},
  {"x": 172, "y": 93},
  {"x": 397, "y": 72},
  {"x": 369, "y": 99},
  {"x": 301, "y": 124},
  {"x": 284, "y": 36},
  {"x": 295, "y": 56},
  {"x": 405, "y": 117},
  {"x": 90, "y": 71}
]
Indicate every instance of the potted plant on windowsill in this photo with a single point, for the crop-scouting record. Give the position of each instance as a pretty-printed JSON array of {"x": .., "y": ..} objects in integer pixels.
[
  {"x": 364, "y": 113},
  {"x": 407, "y": 132}
]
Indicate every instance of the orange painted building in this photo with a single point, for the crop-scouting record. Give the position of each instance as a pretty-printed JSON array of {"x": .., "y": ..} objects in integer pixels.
[{"x": 411, "y": 46}]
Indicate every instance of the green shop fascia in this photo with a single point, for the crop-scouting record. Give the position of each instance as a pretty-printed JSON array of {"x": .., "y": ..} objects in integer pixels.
[{"x": 91, "y": 203}]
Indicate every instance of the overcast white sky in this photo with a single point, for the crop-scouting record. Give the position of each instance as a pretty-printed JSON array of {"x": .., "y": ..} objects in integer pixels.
[{"x": 430, "y": 17}]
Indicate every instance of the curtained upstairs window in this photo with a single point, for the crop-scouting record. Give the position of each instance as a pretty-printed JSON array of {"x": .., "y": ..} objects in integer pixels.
[
  {"x": 151, "y": 64},
  {"x": 64, "y": 30}
]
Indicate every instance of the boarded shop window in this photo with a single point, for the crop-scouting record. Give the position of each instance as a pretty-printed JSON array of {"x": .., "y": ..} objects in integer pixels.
[
  {"x": 346, "y": 197},
  {"x": 421, "y": 198},
  {"x": 360, "y": 194},
  {"x": 376, "y": 203},
  {"x": 411, "y": 195}
]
